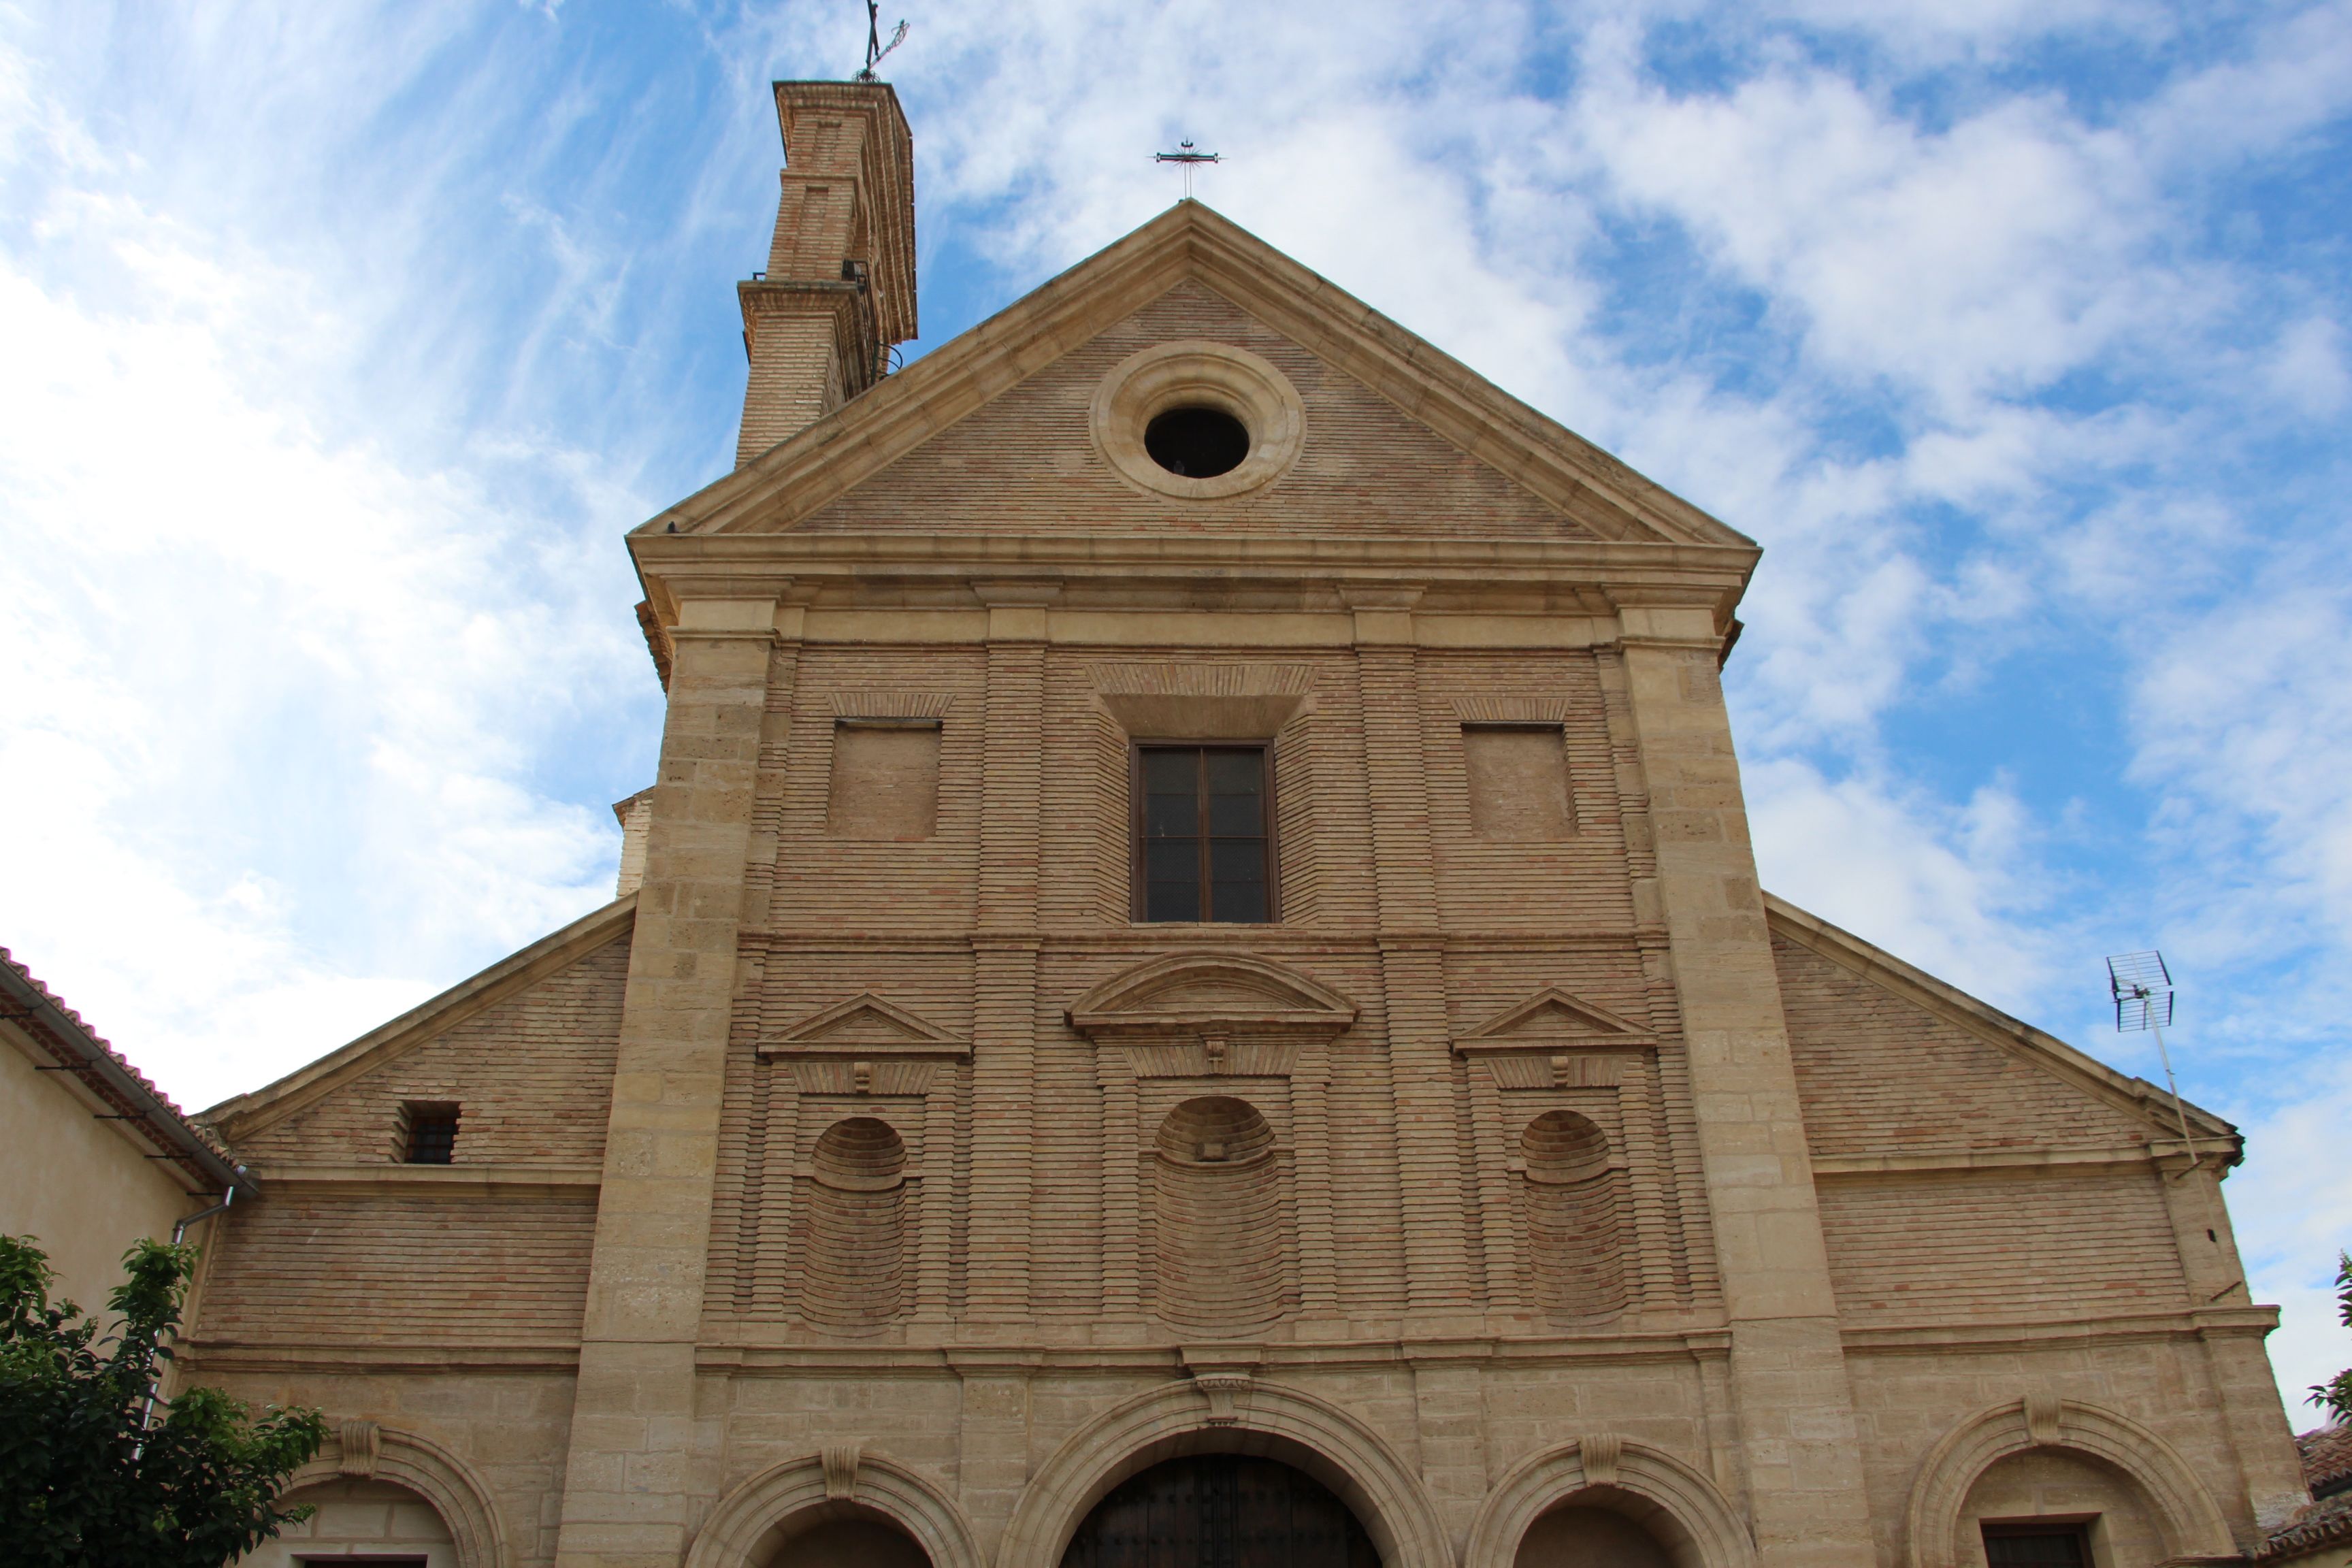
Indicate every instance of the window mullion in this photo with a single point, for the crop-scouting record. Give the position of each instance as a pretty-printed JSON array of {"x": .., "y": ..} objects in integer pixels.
[{"x": 1201, "y": 772}]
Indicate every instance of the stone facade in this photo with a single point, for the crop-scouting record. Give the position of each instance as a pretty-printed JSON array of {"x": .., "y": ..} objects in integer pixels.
[{"x": 1531, "y": 1178}]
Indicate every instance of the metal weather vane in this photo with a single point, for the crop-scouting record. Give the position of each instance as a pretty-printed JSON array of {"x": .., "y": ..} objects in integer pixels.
[
  {"x": 1188, "y": 158},
  {"x": 874, "y": 48}
]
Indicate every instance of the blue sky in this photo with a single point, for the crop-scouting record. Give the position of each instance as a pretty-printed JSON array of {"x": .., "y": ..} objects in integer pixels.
[{"x": 345, "y": 340}]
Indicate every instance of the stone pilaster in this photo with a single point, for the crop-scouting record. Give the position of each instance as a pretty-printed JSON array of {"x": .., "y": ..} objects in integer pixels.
[
  {"x": 1005, "y": 954},
  {"x": 1800, "y": 1449},
  {"x": 627, "y": 1483},
  {"x": 1450, "y": 1413},
  {"x": 1412, "y": 956}
]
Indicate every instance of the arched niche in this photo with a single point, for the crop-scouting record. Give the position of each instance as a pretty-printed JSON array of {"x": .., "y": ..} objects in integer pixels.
[
  {"x": 1575, "y": 1206},
  {"x": 1220, "y": 1262},
  {"x": 820, "y": 1501},
  {"x": 1227, "y": 1415},
  {"x": 376, "y": 1469},
  {"x": 1599, "y": 1490},
  {"x": 2183, "y": 1513},
  {"x": 853, "y": 1240}
]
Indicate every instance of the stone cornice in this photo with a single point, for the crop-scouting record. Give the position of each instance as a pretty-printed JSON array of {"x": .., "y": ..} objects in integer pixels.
[
  {"x": 1584, "y": 576},
  {"x": 1946, "y": 1162},
  {"x": 389, "y": 1179}
]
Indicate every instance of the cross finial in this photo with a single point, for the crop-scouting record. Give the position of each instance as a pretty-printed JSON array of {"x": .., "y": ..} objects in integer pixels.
[{"x": 1188, "y": 158}]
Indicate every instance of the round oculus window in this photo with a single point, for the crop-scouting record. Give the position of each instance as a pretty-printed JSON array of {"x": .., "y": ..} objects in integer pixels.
[
  {"x": 1196, "y": 421},
  {"x": 1197, "y": 443}
]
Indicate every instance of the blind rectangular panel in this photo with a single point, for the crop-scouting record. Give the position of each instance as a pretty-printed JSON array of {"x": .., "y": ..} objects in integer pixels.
[{"x": 1203, "y": 828}]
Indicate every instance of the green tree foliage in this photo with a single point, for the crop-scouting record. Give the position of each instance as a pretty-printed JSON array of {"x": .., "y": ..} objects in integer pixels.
[
  {"x": 92, "y": 1475},
  {"x": 2336, "y": 1395}
]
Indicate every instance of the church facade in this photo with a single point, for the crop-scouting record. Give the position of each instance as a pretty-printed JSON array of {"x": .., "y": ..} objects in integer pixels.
[{"x": 1193, "y": 989}]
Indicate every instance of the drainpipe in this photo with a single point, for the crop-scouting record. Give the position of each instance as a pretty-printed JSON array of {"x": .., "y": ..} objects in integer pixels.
[
  {"x": 179, "y": 1235},
  {"x": 180, "y": 1231}
]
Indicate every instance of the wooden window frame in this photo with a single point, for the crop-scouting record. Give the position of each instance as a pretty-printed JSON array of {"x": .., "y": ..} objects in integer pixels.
[{"x": 1137, "y": 887}]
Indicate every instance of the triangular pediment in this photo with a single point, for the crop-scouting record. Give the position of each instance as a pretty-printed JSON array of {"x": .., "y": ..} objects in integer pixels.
[
  {"x": 1208, "y": 992},
  {"x": 865, "y": 1025},
  {"x": 1553, "y": 1019},
  {"x": 1587, "y": 493}
]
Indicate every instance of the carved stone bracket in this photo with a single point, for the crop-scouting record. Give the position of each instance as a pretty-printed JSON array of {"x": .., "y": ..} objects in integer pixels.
[
  {"x": 1226, "y": 1393},
  {"x": 1599, "y": 1453},
  {"x": 841, "y": 1462},
  {"x": 362, "y": 1449}
]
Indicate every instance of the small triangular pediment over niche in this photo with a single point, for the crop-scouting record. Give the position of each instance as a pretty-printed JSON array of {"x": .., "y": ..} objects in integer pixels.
[
  {"x": 1207, "y": 993},
  {"x": 1553, "y": 1019},
  {"x": 863, "y": 1025}
]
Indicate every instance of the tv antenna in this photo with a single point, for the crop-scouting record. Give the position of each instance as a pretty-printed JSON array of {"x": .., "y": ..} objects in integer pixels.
[
  {"x": 2142, "y": 988},
  {"x": 1186, "y": 157},
  {"x": 874, "y": 48}
]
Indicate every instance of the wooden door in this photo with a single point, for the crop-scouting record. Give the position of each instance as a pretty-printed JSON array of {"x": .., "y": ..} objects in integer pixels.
[{"x": 1220, "y": 1510}]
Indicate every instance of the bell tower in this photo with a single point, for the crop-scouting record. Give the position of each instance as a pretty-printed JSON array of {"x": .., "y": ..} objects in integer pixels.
[{"x": 839, "y": 289}]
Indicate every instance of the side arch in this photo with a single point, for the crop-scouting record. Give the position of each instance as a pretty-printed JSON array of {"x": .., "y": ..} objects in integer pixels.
[
  {"x": 735, "y": 1525},
  {"x": 1227, "y": 1415},
  {"x": 1602, "y": 1469},
  {"x": 362, "y": 1450},
  {"x": 2185, "y": 1511}
]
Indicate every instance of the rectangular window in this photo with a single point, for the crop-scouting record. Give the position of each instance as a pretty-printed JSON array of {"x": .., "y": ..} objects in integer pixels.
[
  {"x": 886, "y": 779},
  {"x": 2036, "y": 1545},
  {"x": 1519, "y": 782},
  {"x": 1203, "y": 843},
  {"x": 432, "y": 1137}
]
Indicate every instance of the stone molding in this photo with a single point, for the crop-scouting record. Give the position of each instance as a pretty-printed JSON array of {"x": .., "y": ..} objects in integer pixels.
[
  {"x": 425, "y": 1468},
  {"x": 1195, "y": 372},
  {"x": 1616, "y": 1472},
  {"x": 1150, "y": 999},
  {"x": 2185, "y": 1512},
  {"x": 890, "y": 703},
  {"x": 1269, "y": 1420},
  {"x": 845, "y": 1473}
]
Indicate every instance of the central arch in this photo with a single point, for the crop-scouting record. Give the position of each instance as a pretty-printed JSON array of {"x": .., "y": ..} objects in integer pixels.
[
  {"x": 1226, "y": 1509},
  {"x": 1234, "y": 1415}
]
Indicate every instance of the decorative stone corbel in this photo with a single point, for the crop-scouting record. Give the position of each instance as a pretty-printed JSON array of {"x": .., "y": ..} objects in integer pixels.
[
  {"x": 2042, "y": 1409},
  {"x": 841, "y": 1462},
  {"x": 1225, "y": 1390},
  {"x": 363, "y": 1446},
  {"x": 1598, "y": 1454}
]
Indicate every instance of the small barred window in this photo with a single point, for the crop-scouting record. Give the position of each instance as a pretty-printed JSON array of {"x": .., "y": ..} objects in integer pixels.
[{"x": 431, "y": 1134}]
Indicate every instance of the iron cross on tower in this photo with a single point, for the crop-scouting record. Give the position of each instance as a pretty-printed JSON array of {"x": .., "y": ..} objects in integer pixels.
[{"x": 1189, "y": 157}]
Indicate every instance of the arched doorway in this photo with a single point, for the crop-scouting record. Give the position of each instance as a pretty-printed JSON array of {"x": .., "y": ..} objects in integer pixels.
[{"x": 1220, "y": 1510}]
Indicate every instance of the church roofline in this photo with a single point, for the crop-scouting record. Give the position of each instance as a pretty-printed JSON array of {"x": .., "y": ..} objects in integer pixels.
[
  {"x": 855, "y": 442},
  {"x": 2135, "y": 1096},
  {"x": 247, "y": 1113}
]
